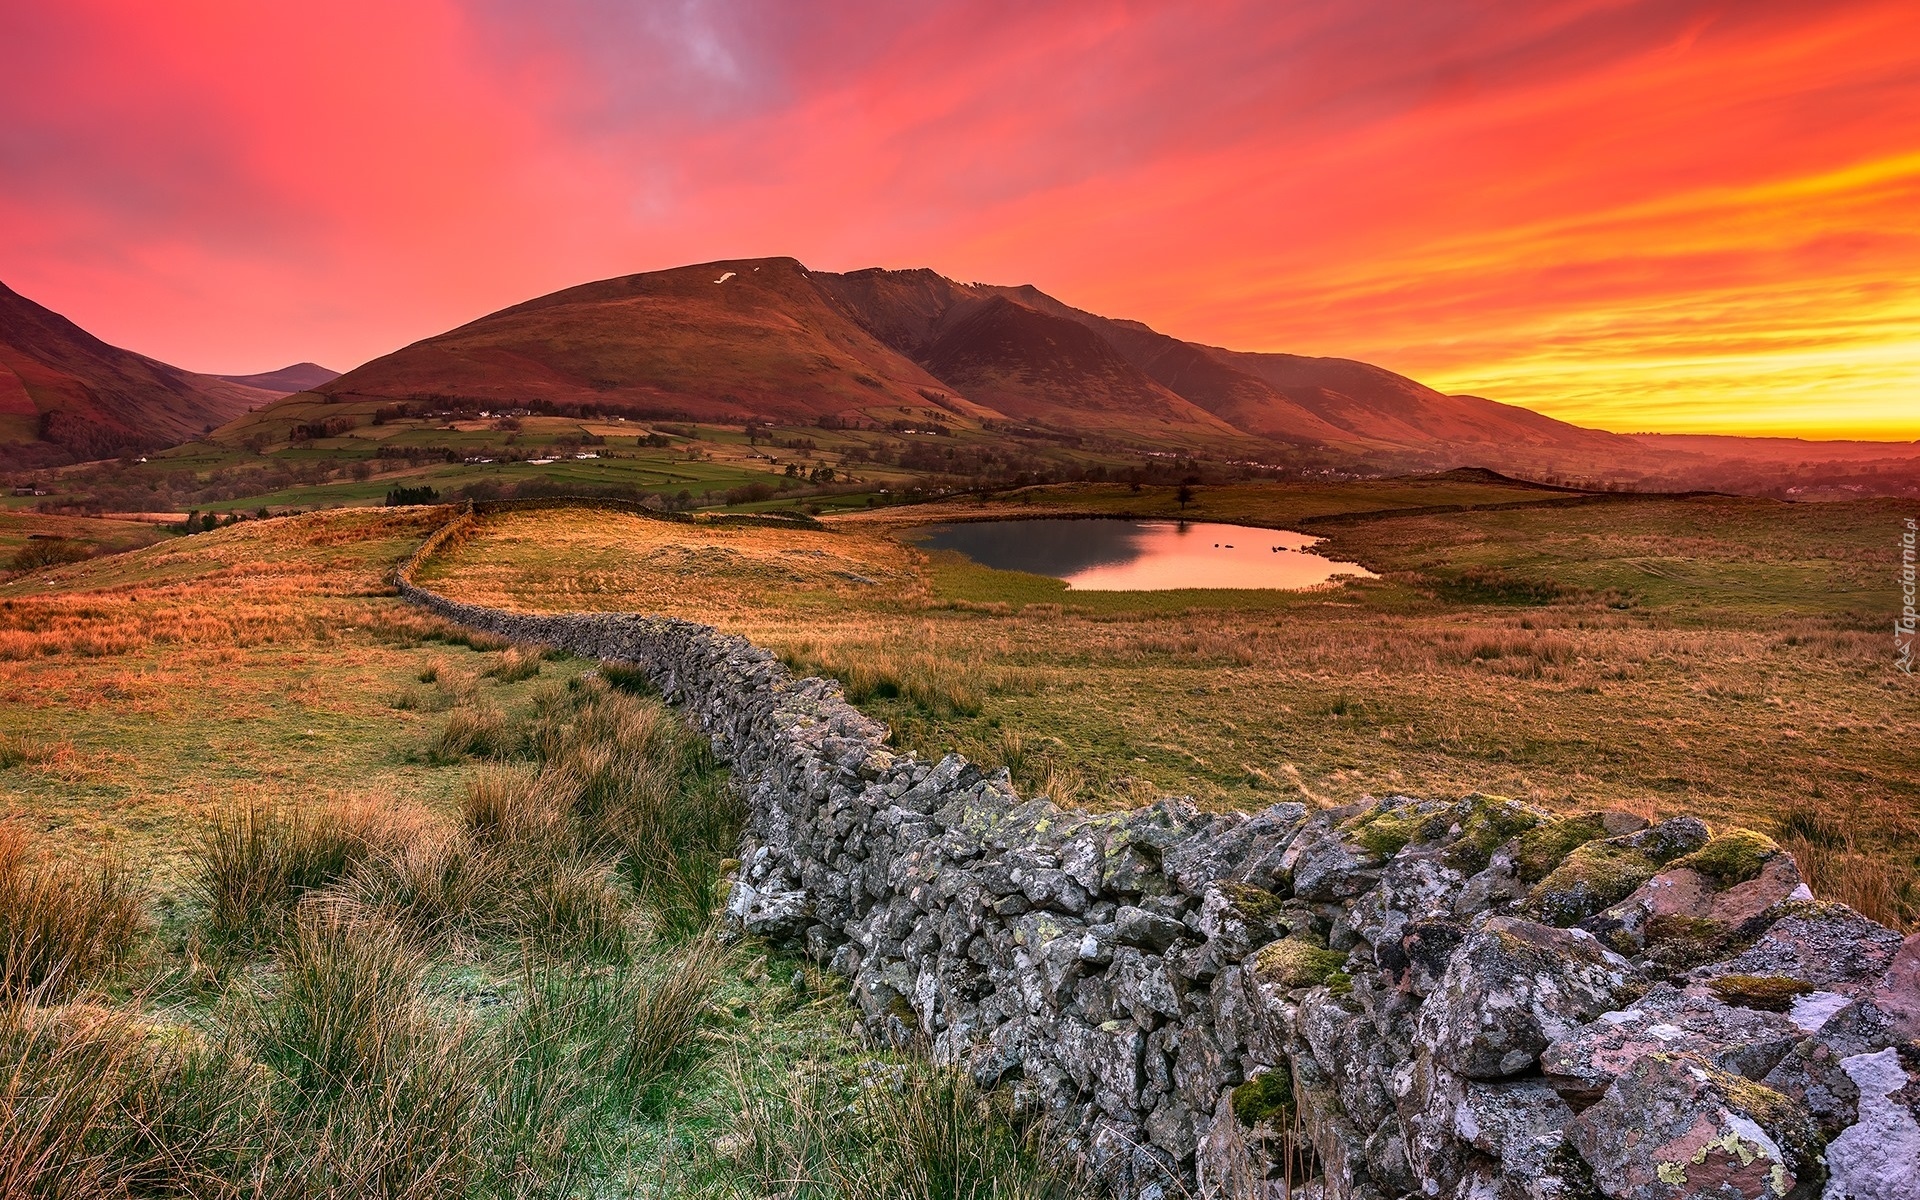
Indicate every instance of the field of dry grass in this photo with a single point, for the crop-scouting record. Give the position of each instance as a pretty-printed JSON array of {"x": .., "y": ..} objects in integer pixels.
[
  {"x": 260, "y": 662},
  {"x": 1709, "y": 655},
  {"x": 307, "y": 895},
  {"x": 252, "y": 806}
]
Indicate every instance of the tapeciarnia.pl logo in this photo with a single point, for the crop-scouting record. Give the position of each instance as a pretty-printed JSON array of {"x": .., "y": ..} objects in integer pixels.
[{"x": 1904, "y": 624}]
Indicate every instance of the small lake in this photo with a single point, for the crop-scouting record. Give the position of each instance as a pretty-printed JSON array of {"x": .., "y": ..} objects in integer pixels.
[{"x": 1112, "y": 555}]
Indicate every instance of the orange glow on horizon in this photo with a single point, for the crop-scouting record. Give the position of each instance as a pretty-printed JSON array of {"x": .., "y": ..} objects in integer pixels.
[{"x": 1641, "y": 215}]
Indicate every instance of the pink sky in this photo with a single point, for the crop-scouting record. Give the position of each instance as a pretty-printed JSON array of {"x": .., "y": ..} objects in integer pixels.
[{"x": 1639, "y": 215}]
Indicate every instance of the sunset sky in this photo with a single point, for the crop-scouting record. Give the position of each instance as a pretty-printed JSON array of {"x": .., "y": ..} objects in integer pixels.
[{"x": 1635, "y": 214}]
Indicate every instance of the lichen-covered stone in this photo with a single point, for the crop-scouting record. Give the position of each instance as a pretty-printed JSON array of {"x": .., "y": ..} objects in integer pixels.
[
  {"x": 1732, "y": 857},
  {"x": 1484, "y": 824},
  {"x": 1295, "y": 963},
  {"x": 1828, "y": 945},
  {"x": 1686, "y": 917},
  {"x": 1588, "y": 879},
  {"x": 1675, "y": 1126},
  {"x": 1600, "y": 873},
  {"x": 1386, "y": 828},
  {"x": 1545, "y": 846},
  {"x": 1513, "y": 988},
  {"x": 1584, "y": 1062},
  {"x": 1330, "y": 868},
  {"x": 1153, "y": 931},
  {"x": 1522, "y": 1125},
  {"x": 1238, "y": 918},
  {"x": 1878, "y": 1157}
]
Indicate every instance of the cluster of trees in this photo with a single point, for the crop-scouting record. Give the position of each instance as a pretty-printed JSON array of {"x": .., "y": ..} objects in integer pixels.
[
  {"x": 202, "y": 523},
  {"x": 327, "y": 427},
  {"x": 48, "y": 552}
]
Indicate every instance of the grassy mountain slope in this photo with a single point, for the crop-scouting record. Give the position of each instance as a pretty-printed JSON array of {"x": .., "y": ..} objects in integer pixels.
[
  {"x": 726, "y": 341},
  {"x": 67, "y": 395}
]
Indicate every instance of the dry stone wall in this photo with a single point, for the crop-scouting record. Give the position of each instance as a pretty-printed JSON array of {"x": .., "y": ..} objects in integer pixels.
[{"x": 1409, "y": 998}]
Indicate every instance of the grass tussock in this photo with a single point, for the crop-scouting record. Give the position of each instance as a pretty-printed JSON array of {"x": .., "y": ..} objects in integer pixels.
[
  {"x": 257, "y": 862},
  {"x": 18, "y": 750},
  {"x": 472, "y": 731},
  {"x": 916, "y": 1130},
  {"x": 1880, "y": 882},
  {"x": 641, "y": 790},
  {"x": 95, "y": 1101},
  {"x": 661, "y": 1019},
  {"x": 344, "y": 1007},
  {"x": 518, "y": 663},
  {"x": 61, "y": 924}
]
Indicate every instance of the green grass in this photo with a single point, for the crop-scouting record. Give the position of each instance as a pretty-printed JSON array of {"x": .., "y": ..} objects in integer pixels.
[
  {"x": 351, "y": 971},
  {"x": 1714, "y": 656}
]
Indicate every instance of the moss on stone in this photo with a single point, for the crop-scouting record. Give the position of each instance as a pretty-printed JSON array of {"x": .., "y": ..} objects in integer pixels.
[
  {"x": 1266, "y": 1099},
  {"x": 1387, "y": 830},
  {"x": 1339, "y": 983},
  {"x": 1678, "y": 943},
  {"x": 1546, "y": 845},
  {"x": 1255, "y": 903},
  {"x": 1731, "y": 857},
  {"x": 1769, "y": 993},
  {"x": 1784, "y": 1118},
  {"x": 1295, "y": 962},
  {"x": 1590, "y": 878},
  {"x": 1488, "y": 823}
]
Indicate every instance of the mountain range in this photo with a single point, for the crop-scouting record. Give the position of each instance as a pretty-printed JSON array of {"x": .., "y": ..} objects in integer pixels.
[{"x": 769, "y": 339}]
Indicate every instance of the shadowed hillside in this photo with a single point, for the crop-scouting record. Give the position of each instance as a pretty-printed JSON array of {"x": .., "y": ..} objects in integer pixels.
[{"x": 66, "y": 395}]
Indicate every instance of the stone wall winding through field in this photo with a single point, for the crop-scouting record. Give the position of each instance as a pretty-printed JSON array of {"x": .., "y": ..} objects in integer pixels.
[{"x": 1441, "y": 999}]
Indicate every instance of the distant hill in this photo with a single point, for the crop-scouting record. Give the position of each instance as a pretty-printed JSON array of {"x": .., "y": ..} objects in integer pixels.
[
  {"x": 300, "y": 377},
  {"x": 67, "y": 396}
]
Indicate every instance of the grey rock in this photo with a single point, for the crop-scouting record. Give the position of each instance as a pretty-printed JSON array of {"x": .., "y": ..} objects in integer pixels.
[
  {"x": 1522, "y": 1125},
  {"x": 1878, "y": 1157},
  {"x": 1138, "y": 927},
  {"x": 776, "y": 915},
  {"x": 1828, "y": 945},
  {"x": 1675, "y": 1126},
  {"x": 1238, "y": 918},
  {"x": 1584, "y": 1062},
  {"x": 1513, "y": 988},
  {"x": 1326, "y": 867}
]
